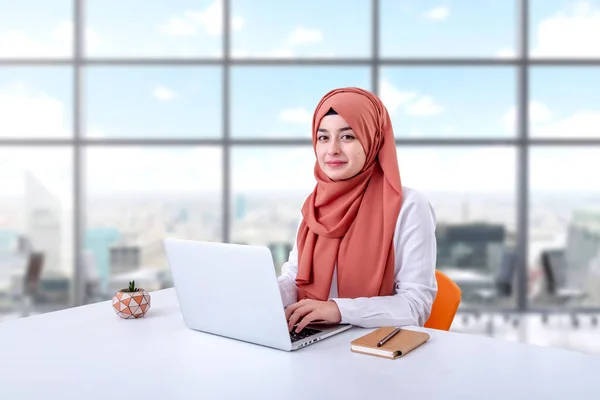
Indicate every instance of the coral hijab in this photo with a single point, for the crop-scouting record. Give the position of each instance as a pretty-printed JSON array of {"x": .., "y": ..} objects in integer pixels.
[{"x": 351, "y": 222}]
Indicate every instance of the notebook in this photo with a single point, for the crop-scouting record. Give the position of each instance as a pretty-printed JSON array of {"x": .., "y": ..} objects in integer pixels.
[{"x": 399, "y": 345}]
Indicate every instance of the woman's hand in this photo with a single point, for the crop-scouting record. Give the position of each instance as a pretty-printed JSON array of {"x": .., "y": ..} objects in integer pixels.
[{"x": 309, "y": 311}]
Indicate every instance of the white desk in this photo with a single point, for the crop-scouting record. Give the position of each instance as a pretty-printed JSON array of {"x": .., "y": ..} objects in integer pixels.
[{"x": 90, "y": 353}]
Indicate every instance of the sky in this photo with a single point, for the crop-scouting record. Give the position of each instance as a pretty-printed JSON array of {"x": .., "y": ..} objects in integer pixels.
[{"x": 185, "y": 101}]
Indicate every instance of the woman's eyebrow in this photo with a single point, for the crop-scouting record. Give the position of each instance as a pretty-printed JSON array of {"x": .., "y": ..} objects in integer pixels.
[{"x": 344, "y": 129}]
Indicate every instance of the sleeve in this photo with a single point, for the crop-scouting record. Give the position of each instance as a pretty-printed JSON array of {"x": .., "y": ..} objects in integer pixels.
[
  {"x": 415, "y": 282},
  {"x": 287, "y": 278}
]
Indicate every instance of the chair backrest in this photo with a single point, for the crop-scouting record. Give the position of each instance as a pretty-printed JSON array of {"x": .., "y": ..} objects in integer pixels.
[
  {"x": 554, "y": 267},
  {"x": 33, "y": 273},
  {"x": 506, "y": 274},
  {"x": 445, "y": 304}
]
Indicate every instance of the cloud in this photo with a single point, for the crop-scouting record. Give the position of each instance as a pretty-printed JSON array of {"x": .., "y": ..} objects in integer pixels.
[
  {"x": 154, "y": 170},
  {"x": 564, "y": 169},
  {"x": 424, "y": 106},
  {"x": 412, "y": 102},
  {"x": 96, "y": 133},
  {"x": 579, "y": 124},
  {"x": 109, "y": 170},
  {"x": 574, "y": 32},
  {"x": 299, "y": 36},
  {"x": 178, "y": 26},
  {"x": 63, "y": 32},
  {"x": 458, "y": 170},
  {"x": 449, "y": 129},
  {"x": 392, "y": 97},
  {"x": 163, "y": 93},
  {"x": 236, "y": 53},
  {"x": 57, "y": 43},
  {"x": 256, "y": 170},
  {"x": 506, "y": 53},
  {"x": 584, "y": 123},
  {"x": 276, "y": 53},
  {"x": 437, "y": 14},
  {"x": 26, "y": 112},
  {"x": 302, "y": 35},
  {"x": 538, "y": 113},
  {"x": 237, "y": 23},
  {"x": 20, "y": 44},
  {"x": 273, "y": 53},
  {"x": 295, "y": 115},
  {"x": 210, "y": 20}
]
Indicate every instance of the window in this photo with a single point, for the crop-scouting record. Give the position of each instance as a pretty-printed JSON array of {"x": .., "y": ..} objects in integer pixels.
[
  {"x": 465, "y": 102},
  {"x": 564, "y": 29},
  {"x": 269, "y": 186},
  {"x": 564, "y": 227},
  {"x": 135, "y": 197},
  {"x": 472, "y": 191},
  {"x": 35, "y": 102},
  {"x": 311, "y": 28},
  {"x": 278, "y": 102},
  {"x": 36, "y": 217},
  {"x": 152, "y": 104},
  {"x": 36, "y": 29},
  {"x": 563, "y": 104},
  {"x": 137, "y": 28},
  {"x": 429, "y": 28},
  {"x": 158, "y": 102}
]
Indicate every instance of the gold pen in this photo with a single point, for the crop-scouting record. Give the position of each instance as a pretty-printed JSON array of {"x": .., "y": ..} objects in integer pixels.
[{"x": 388, "y": 337}]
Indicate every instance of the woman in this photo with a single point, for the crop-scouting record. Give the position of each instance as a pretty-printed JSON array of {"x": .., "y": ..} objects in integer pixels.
[{"x": 365, "y": 249}]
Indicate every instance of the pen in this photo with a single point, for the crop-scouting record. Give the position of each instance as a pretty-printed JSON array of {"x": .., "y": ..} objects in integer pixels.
[{"x": 388, "y": 337}]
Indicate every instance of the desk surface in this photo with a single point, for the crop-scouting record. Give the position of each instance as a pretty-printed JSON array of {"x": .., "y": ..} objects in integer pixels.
[{"x": 90, "y": 353}]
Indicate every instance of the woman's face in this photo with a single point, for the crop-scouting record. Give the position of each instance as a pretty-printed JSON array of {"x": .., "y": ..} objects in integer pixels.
[{"x": 339, "y": 152}]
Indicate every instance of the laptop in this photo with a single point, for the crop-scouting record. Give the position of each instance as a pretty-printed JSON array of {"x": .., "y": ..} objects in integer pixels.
[{"x": 231, "y": 290}]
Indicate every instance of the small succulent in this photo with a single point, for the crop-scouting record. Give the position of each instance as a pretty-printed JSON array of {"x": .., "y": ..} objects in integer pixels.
[{"x": 131, "y": 287}]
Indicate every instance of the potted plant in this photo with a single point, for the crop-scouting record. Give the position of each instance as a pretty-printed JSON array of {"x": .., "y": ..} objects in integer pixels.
[{"x": 131, "y": 302}]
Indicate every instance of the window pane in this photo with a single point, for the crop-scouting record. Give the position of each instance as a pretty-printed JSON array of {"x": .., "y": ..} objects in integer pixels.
[
  {"x": 36, "y": 210},
  {"x": 36, "y": 28},
  {"x": 138, "y": 196},
  {"x": 264, "y": 212},
  {"x": 564, "y": 28},
  {"x": 450, "y": 102},
  {"x": 138, "y": 28},
  {"x": 564, "y": 227},
  {"x": 563, "y": 102},
  {"x": 279, "y": 101},
  {"x": 311, "y": 28},
  {"x": 35, "y": 102},
  {"x": 153, "y": 102},
  {"x": 433, "y": 29},
  {"x": 472, "y": 191}
]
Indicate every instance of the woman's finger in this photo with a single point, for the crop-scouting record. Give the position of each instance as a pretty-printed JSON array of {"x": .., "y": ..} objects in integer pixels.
[
  {"x": 297, "y": 314},
  {"x": 293, "y": 307},
  {"x": 313, "y": 315}
]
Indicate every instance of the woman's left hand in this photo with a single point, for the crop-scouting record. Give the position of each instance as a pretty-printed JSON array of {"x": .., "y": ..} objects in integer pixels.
[{"x": 309, "y": 311}]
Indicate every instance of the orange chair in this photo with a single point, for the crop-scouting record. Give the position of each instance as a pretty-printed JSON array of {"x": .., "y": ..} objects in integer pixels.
[{"x": 445, "y": 304}]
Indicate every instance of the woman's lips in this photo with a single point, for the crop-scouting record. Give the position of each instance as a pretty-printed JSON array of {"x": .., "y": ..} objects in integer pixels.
[{"x": 335, "y": 164}]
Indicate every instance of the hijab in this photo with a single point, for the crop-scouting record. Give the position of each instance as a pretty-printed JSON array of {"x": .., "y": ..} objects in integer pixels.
[{"x": 351, "y": 222}]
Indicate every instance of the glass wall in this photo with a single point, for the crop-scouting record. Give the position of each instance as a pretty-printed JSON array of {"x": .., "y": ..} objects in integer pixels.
[{"x": 125, "y": 122}]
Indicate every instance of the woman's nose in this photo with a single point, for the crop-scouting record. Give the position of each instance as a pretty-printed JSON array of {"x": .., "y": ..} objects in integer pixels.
[{"x": 334, "y": 147}]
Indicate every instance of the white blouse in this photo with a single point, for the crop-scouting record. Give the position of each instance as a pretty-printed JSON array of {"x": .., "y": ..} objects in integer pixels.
[{"x": 415, "y": 284}]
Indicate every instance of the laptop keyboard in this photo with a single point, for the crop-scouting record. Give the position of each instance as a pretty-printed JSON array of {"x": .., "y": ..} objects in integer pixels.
[{"x": 306, "y": 332}]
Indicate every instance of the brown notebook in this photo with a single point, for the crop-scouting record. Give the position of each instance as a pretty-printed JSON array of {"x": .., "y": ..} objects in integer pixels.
[{"x": 399, "y": 345}]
